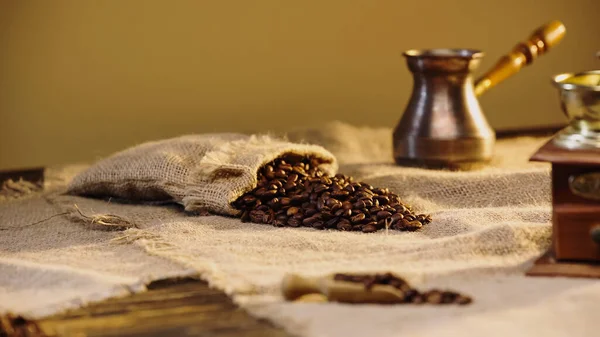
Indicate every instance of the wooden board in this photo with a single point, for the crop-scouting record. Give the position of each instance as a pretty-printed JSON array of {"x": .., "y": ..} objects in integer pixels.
[{"x": 181, "y": 307}]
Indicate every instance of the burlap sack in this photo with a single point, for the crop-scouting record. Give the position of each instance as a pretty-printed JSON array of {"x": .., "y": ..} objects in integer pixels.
[{"x": 206, "y": 172}]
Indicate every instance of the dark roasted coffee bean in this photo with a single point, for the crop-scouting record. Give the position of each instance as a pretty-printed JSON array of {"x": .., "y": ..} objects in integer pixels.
[
  {"x": 269, "y": 194},
  {"x": 285, "y": 167},
  {"x": 320, "y": 204},
  {"x": 411, "y": 225},
  {"x": 318, "y": 225},
  {"x": 320, "y": 188},
  {"x": 382, "y": 199},
  {"x": 292, "y": 211},
  {"x": 340, "y": 194},
  {"x": 292, "y": 178},
  {"x": 297, "y": 199},
  {"x": 397, "y": 216},
  {"x": 418, "y": 299},
  {"x": 279, "y": 223},
  {"x": 462, "y": 300},
  {"x": 449, "y": 297},
  {"x": 260, "y": 192},
  {"x": 299, "y": 170},
  {"x": 358, "y": 218},
  {"x": 294, "y": 222},
  {"x": 375, "y": 209},
  {"x": 310, "y": 212},
  {"x": 245, "y": 216},
  {"x": 268, "y": 217},
  {"x": 332, "y": 223},
  {"x": 285, "y": 201},
  {"x": 433, "y": 297},
  {"x": 280, "y": 174},
  {"x": 369, "y": 228},
  {"x": 249, "y": 199},
  {"x": 326, "y": 215},
  {"x": 360, "y": 204},
  {"x": 344, "y": 226},
  {"x": 309, "y": 221},
  {"x": 357, "y": 227},
  {"x": 383, "y": 215},
  {"x": 400, "y": 208}
]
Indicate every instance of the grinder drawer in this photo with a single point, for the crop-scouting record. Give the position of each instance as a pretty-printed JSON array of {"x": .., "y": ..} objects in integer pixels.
[{"x": 577, "y": 233}]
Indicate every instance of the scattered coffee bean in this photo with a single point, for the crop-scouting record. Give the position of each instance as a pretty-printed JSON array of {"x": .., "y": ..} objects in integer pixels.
[
  {"x": 293, "y": 191},
  {"x": 406, "y": 293}
]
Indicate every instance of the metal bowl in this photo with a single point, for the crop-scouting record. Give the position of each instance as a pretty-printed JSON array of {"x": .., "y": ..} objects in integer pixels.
[{"x": 580, "y": 101}]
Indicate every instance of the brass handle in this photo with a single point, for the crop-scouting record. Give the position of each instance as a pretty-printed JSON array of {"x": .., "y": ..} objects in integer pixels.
[{"x": 540, "y": 41}]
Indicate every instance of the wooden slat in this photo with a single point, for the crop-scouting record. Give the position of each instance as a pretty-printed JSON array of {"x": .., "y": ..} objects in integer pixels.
[{"x": 186, "y": 307}]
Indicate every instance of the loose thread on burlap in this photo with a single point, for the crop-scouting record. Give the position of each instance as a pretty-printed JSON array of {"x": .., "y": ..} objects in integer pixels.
[
  {"x": 112, "y": 222},
  {"x": 35, "y": 223}
]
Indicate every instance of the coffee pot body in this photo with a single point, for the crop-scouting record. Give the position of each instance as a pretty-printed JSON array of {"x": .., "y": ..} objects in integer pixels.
[{"x": 443, "y": 124}]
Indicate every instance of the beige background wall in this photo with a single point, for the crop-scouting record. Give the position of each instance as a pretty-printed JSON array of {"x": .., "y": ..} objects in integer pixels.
[{"x": 81, "y": 79}]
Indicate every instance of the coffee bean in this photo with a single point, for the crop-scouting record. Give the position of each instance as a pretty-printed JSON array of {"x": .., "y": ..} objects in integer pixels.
[
  {"x": 318, "y": 225},
  {"x": 463, "y": 300},
  {"x": 412, "y": 225},
  {"x": 344, "y": 226},
  {"x": 449, "y": 297},
  {"x": 397, "y": 216},
  {"x": 245, "y": 217},
  {"x": 292, "y": 178},
  {"x": 310, "y": 212},
  {"x": 357, "y": 227},
  {"x": 358, "y": 218},
  {"x": 249, "y": 199},
  {"x": 332, "y": 223},
  {"x": 418, "y": 299},
  {"x": 383, "y": 215},
  {"x": 433, "y": 297},
  {"x": 294, "y": 222},
  {"x": 292, "y": 211},
  {"x": 309, "y": 221},
  {"x": 285, "y": 201},
  {"x": 369, "y": 228}
]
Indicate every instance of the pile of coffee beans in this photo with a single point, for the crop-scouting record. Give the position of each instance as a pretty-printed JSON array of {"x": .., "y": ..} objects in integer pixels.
[
  {"x": 293, "y": 191},
  {"x": 411, "y": 295}
]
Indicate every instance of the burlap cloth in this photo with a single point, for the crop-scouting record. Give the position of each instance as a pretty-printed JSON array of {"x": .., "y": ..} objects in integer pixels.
[{"x": 488, "y": 227}]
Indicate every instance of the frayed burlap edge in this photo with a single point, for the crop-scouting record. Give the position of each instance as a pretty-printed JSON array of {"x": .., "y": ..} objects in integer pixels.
[{"x": 241, "y": 160}]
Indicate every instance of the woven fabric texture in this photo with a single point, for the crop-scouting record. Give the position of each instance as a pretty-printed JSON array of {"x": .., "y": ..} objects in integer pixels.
[
  {"x": 488, "y": 226},
  {"x": 198, "y": 171}
]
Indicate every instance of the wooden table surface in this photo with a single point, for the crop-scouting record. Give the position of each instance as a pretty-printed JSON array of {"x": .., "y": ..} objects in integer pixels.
[{"x": 180, "y": 307}]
